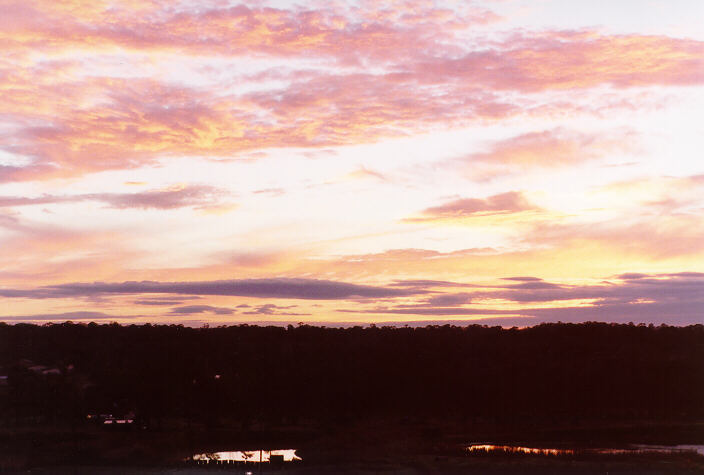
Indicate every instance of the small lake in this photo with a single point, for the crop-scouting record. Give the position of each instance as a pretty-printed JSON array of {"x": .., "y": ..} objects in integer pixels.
[
  {"x": 630, "y": 449},
  {"x": 249, "y": 456}
]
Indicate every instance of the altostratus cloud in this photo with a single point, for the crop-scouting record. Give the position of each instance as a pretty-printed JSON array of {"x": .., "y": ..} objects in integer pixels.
[
  {"x": 284, "y": 288},
  {"x": 658, "y": 298}
]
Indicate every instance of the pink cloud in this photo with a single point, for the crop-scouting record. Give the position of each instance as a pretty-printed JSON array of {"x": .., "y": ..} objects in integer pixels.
[
  {"x": 547, "y": 149},
  {"x": 552, "y": 148},
  {"x": 344, "y": 33},
  {"x": 407, "y": 68},
  {"x": 504, "y": 203},
  {"x": 140, "y": 121},
  {"x": 573, "y": 60},
  {"x": 198, "y": 196}
]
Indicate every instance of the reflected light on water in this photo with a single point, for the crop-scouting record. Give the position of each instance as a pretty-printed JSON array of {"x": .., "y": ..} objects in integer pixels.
[
  {"x": 633, "y": 449},
  {"x": 517, "y": 449},
  {"x": 256, "y": 456},
  {"x": 699, "y": 449}
]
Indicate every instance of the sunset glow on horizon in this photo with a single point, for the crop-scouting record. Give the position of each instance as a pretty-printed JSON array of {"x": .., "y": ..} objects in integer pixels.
[{"x": 501, "y": 162}]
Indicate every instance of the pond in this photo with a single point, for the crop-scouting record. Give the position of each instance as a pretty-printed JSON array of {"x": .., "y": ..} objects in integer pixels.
[
  {"x": 630, "y": 449},
  {"x": 249, "y": 456}
]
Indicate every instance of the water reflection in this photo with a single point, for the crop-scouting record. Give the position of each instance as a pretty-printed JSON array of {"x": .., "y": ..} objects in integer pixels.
[
  {"x": 487, "y": 448},
  {"x": 631, "y": 449},
  {"x": 671, "y": 448},
  {"x": 255, "y": 456}
]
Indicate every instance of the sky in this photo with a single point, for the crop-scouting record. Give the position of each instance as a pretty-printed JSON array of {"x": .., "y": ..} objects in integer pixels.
[{"x": 499, "y": 162}]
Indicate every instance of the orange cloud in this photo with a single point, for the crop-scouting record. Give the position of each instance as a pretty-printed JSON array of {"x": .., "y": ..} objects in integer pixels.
[
  {"x": 660, "y": 237},
  {"x": 51, "y": 253}
]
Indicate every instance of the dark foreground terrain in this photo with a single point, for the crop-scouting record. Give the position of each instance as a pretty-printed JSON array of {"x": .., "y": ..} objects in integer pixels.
[
  {"x": 145, "y": 399},
  {"x": 364, "y": 448}
]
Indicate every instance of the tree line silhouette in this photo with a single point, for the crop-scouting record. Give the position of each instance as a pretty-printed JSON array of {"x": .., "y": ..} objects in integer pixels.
[{"x": 239, "y": 375}]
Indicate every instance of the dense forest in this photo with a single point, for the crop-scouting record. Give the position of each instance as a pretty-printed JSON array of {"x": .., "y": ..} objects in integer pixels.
[{"x": 243, "y": 374}]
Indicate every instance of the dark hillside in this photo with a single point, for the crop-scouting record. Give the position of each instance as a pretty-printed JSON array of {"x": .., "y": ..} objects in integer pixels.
[{"x": 245, "y": 373}]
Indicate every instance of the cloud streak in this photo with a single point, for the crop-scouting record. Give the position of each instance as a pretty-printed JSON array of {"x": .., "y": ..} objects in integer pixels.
[
  {"x": 198, "y": 196},
  {"x": 504, "y": 203},
  {"x": 62, "y": 317},
  {"x": 196, "y": 309},
  {"x": 548, "y": 149},
  {"x": 283, "y": 288}
]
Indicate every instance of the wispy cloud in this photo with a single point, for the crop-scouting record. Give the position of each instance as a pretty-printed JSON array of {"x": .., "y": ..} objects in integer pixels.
[
  {"x": 660, "y": 236},
  {"x": 272, "y": 309},
  {"x": 504, "y": 203},
  {"x": 555, "y": 148},
  {"x": 198, "y": 196},
  {"x": 195, "y": 309}
]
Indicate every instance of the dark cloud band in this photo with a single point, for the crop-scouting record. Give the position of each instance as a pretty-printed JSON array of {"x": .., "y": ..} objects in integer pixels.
[{"x": 310, "y": 289}]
